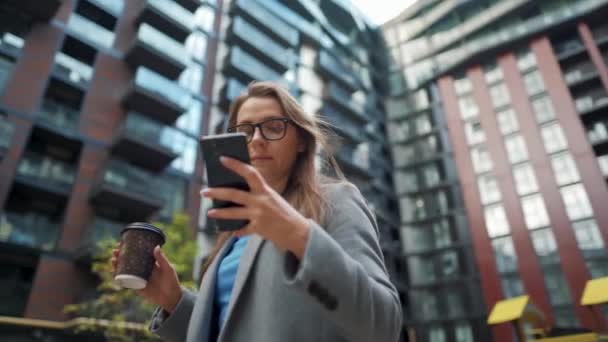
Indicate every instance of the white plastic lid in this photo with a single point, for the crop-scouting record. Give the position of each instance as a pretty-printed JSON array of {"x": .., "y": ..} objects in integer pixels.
[{"x": 130, "y": 281}]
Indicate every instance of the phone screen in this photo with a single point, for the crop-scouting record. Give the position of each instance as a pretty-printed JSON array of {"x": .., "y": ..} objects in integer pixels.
[{"x": 232, "y": 145}]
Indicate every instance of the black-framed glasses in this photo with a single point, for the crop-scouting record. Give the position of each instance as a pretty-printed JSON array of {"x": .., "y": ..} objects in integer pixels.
[{"x": 271, "y": 129}]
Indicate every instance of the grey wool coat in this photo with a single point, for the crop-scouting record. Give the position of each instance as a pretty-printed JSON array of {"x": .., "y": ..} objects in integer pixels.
[{"x": 339, "y": 291}]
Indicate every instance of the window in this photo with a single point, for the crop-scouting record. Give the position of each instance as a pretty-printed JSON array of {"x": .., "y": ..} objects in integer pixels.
[
  {"x": 496, "y": 220},
  {"x": 488, "y": 189},
  {"x": 557, "y": 287},
  {"x": 422, "y": 270},
  {"x": 468, "y": 107},
  {"x": 564, "y": 169},
  {"x": 455, "y": 303},
  {"x": 399, "y": 130},
  {"x": 481, "y": 159},
  {"x": 507, "y": 121},
  {"x": 474, "y": 132},
  {"x": 576, "y": 201},
  {"x": 535, "y": 212},
  {"x": 588, "y": 237},
  {"x": 525, "y": 180},
  {"x": 406, "y": 181},
  {"x": 437, "y": 334},
  {"x": 449, "y": 264},
  {"x": 6, "y": 66},
  {"x": 493, "y": 74},
  {"x": 500, "y": 95},
  {"x": 511, "y": 286},
  {"x": 423, "y": 124},
  {"x": 310, "y": 82},
  {"x": 442, "y": 234},
  {"x": 431, "y": 175},
  {"x": 463, "y": 332},
  {"x": 417, "y": 239},
  {"x": 534, "y": 83},
  {"x": 553, "y": 138},
  {"x": 545, "y": 246},
  {"x": 526, "y": 60},
  {"x": 516, "y": 149},
  {"x": 463, "y": 85},
  {"x": 403, "y": 155},
  {"x": 506, "y": 259},
  {"x": 543, "y": 109},
  {"x": 424, "y": 304},
  {"x": 412, "y": 208},
  {"x": 603, "y": 161},
  {"x": 428, "y": 147}
]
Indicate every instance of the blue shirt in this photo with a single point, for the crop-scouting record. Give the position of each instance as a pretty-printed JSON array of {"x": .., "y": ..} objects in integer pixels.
[{"x": 226, "y": 273}]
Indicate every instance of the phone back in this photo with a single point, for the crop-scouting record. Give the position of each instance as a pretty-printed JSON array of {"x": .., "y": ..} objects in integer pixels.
[{"x": 232, "y": 145}]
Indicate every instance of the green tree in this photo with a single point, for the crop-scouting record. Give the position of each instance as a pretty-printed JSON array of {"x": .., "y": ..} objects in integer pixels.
[{"x": 120, "y": 314}]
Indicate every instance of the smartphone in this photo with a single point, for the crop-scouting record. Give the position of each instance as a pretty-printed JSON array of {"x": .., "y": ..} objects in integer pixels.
[{"x": 232, "y": 145}]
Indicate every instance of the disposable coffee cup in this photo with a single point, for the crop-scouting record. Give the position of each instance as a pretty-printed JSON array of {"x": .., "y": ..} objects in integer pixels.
[{"x": 136, "y": 259}]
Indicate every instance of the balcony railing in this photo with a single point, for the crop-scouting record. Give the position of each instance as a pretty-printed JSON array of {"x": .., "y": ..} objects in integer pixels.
[
  {"x": 59, "y": 116},
  {"x": 169, "y": 16},
  {"x": 337, "y": 119},
  {"x": 73, "y": 69},
  {"x": 47, "y": 171},
  {"x": 100, "y": 229},
  {"x": 113, "y": 7},
  {"x": 147, "y": 142},
  {"x": 157, "y": 96},
  {"x": 591, "y": 101},
  {"x": 267, "y": 21},
  {"x": 335, "y": 69},
  {"x": 580, "y": 73},
  {"x": 6, "y": 133},
  {"x": 264, "y": 47},
  {"x": 249, "y": 68},
  {"x": 342, "y": 98},
  {"x": 130, "y": 190},
  {"x": 157, "y": 51},
  {"x": 36, "y": 231},
  {"x": 90, "y": 31}
]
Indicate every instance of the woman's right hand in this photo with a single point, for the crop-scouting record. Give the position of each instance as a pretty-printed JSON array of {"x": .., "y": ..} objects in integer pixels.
[{"x": 163, "y": 288}]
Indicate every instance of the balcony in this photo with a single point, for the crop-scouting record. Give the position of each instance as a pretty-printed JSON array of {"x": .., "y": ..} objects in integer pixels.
[
  {"x": 332, "y": 68},
  {"x": 591, "y": 103},
  {"x": 89, "y": 31},
  {"x": 71, "y": 70},
  {"x": 342, "y": 125},
  {"x": 61, "y": 118},
  {"x": 600, "y": 35},
  {"x": 168, "y": 16},
  {"x": 6, "y": 135},
  {"x": 101, "y": 229},
  {"x": 597, "y": 135},
  {"x": 146, "y": 143},
  {"x": 31, "y": 230},
  {"x": 38, "y": 172},
  {"x": 350, "y": 166},
  {"x": 113, "y": 7},
  {"x": 341, "y": 98},
  {"x": 260, "y": 45},
  {"x": 266, "y": 21},
  {"x": 581, "y": 75},
  {"x": 230, "y": 91},
  {"x": 248, "y": 68},
  {"x": 131, "y": 191},
  {"x": 21, "y": 15},
  {"x": 156, "y": 96},
  {"x": 155, "y": 50}
]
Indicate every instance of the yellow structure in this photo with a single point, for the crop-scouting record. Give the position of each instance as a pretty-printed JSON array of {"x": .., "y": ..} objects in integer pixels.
[{"x": 596, "y": 292}]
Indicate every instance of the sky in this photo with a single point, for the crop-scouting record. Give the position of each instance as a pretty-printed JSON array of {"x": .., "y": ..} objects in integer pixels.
[{"x": 380, "y": 11}]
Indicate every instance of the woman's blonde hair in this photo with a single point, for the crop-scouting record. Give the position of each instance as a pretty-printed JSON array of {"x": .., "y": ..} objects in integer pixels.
[{"x": 303, "y": 190}]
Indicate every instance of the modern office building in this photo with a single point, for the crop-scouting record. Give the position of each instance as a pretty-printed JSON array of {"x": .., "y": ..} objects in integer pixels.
[
  {"x": 498, "y": 129},
  {"x": 333, "y": 61},
  {"x": 101, "y": 106}
]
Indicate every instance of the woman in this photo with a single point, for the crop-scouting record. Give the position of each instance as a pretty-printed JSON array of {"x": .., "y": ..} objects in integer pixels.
[{"x": 307, "y": 267}]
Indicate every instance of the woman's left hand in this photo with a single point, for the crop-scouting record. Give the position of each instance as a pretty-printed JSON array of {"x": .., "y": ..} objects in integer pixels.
[{"x": 269, "y": 214}]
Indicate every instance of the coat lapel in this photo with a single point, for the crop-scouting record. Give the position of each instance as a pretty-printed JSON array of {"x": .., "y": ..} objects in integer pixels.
[
  {"x": 247, "y": 259},
  {"x": 203, "y": 308}
]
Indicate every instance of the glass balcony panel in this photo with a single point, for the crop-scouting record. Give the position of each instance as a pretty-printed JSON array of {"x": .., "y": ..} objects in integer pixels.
[
  {"x": 269, "y": 21},
  {"x": 114, "y": 7},
  {"x": 162, "y": 87},
  {"x": 175, "y": 11},
  {"x": 150, "y": 131},
  {"x": 162, "y": 43},
  {"x": 6, "y": 132},
  {"x": 250, "y": 66},
  {"x": 47, "y": 170},
  {"x": 75, "y": 70},
  {"x": 337, "y": 70},
  {"x": 32, "y": 230},
  {"x": 59, "y": 116},
  {"x": 129, "y": 178},
  {"x": 90, "y": 31}
]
